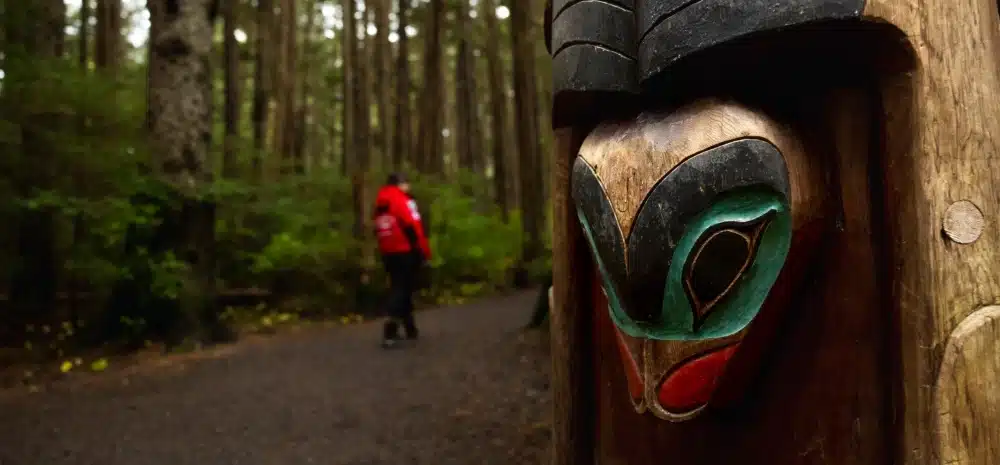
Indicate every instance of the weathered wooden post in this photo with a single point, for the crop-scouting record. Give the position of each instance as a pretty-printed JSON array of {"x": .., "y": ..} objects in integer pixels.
[{"x": 776, "y": 232}]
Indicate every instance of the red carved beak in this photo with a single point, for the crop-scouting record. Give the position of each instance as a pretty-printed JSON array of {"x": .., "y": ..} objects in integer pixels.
[{"x": 691, "y": 384}]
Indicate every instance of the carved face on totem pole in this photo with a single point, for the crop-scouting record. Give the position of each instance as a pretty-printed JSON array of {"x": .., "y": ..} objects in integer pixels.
[
  {"x": 691, "y": 217},
  {"x": 701, "y": 215}
]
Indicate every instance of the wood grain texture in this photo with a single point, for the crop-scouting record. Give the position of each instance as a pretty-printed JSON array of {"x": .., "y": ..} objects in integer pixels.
[
  {"x": 941, "y": 146},
  {"x": 967, "y": 392},
  {"x": 570, "y": 325}
]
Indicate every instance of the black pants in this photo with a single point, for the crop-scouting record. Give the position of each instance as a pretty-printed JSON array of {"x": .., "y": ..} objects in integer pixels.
[{"x": 402, "y": 269}]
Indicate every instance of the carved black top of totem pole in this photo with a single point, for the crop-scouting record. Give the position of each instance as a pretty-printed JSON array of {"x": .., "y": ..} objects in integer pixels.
[{"x": 617, "y": 45}]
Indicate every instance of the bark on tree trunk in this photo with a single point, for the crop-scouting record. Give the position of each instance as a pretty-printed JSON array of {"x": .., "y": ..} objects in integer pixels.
[
  {"x": 429, "y": 157},
  {"x": 34, "y": 30},
  {"x": 262, "y": 85},
  {"x": 180, "y": 103},
  {"x": 467, "y": 131},
  {"x": 527, "y": 133},
  {"x": 403, "y": 135},
  {"x": 383, "y": 79},
  {"x": 498, "y": 103},
  {"x": 232, "y": 91},
  {"x": 109, "y": 46}
]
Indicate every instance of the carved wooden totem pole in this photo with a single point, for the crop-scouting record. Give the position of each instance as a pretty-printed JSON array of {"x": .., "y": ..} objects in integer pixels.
[{"x": 776, "y": 232}]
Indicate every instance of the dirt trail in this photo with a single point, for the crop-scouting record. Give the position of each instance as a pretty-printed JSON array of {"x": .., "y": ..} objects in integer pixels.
[{"x": 474, "y": 391}]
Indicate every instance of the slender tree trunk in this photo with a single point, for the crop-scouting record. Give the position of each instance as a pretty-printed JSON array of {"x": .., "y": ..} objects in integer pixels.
[
  {"x": 84, "y": 55},
  {"x": 403, "y": 135},
  {"x": 262, "y": 85},
  {"x": 363, "y": 61},
  {"x": 33, "y": 31},
  {"x": 302, "y": 106},
  {"x": 463, "y": 102},
  {"x": 382, "y": 82},
  {"x": 353, "y": 156},
  {"x": 470, "y": 156},
  {"x": 290, "y": 81},
  {"x": 430, "y": 157},
  {"x": 527, "y": 133},
  {"x": 110, "y": 41},
  {"x": 498, "y": 103},
  {"x": 75, "y": 283},
  {"x": 232, "y": 90}
]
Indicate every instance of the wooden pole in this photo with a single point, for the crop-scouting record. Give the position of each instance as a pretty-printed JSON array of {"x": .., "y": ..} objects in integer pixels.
[{"x": 785, "y": 210}]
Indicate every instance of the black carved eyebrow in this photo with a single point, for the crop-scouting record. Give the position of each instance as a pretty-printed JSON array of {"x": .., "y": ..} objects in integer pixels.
[{"x": 592, "y": 202}]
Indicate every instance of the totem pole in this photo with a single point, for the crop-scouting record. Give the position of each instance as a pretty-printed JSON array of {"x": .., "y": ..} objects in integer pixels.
[{"x": 776, "y": 237}]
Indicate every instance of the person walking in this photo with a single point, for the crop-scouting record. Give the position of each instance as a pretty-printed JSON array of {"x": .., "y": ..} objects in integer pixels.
[{"x": 404, "y": 249}]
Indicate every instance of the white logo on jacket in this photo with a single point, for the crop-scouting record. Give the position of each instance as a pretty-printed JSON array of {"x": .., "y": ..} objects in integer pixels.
[{"x": 413, "y": 209}]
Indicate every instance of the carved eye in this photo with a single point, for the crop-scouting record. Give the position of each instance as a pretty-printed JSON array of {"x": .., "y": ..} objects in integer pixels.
[{"x": 720, "y": 258}]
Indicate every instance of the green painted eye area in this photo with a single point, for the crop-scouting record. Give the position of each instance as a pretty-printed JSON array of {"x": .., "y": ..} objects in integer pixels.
[
  {"x": 721, "y": 271},
  {"x": 717, "y": 263}
]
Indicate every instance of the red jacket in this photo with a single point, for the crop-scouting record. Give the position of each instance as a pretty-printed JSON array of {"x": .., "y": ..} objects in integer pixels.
[{"x": 397, "y": 223}]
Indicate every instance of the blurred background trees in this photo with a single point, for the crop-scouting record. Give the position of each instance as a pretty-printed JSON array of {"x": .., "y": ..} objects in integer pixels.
[{"x": 168, "y": 168}]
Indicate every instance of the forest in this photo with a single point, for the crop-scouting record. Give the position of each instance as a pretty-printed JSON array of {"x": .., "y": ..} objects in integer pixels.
[{"x": 174, "y": 171}]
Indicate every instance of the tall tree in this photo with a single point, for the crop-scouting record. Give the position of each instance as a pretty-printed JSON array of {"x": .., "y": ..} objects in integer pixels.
[
  {"x": 498, "y": 103},
  {"x": 364, "y": 90},
  {"x": 302, "y": 105},
  {"x": 429, "y": 156},
  {"x": 529, "y": 151},
  {"x": 284, "y": 113},
  {"x": 353, "y": 159},
  {"x": 180, "y": 128},
  {"x": 84, "y": 53},
  {"x": 263, "y": 83},
  {"x": 232, "y": 89},
  {"x": 34, "y": 35},
  {"x": 383, "y": 79},
  {"x": 468, "y": 143},
  {"x": 110, "y": 41},
  {"x": 403, "y": 134}
]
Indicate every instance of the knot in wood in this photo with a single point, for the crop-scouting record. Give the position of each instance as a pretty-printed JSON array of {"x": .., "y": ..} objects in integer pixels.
[{"x": 963, "y": 222}]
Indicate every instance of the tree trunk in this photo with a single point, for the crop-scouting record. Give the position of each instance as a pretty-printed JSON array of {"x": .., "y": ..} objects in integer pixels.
[
  {"x": 262, "y": 85},
  {"x": 383, "y": 79},
  {"x": 403, "y": 135},
  {"x": 180, "y": 102},
  {"x": 467, "y": 131},
  {"x": 34, "y": 30},
  {"x": 109, "y": 46},
  {"x": 530, "y": 174},
  {"x": 498, "y": 103},
  {"x": 302, "y": 106},
  {"x": 429, "y": 157},
  {"x": 84, "y": 55},
  {"x": 232, "y": 90},
  {"x": 363, "y": 92}
]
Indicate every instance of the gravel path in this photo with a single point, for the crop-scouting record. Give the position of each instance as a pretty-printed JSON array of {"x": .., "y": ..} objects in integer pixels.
[{"x": 472, "y": 392}]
